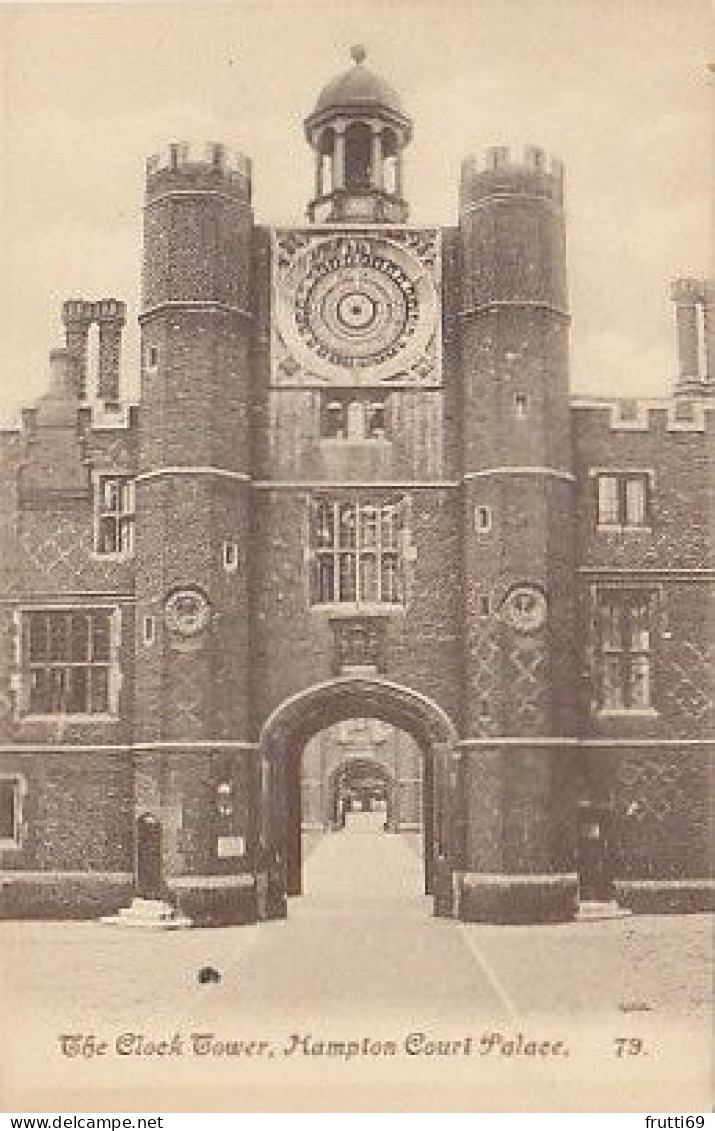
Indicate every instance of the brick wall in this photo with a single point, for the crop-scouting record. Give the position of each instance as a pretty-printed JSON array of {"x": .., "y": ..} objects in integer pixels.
[{"x": 293, "y": 646}]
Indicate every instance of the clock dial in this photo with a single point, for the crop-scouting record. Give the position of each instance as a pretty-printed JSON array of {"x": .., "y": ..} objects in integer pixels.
[{"x": 356, "y": 307}]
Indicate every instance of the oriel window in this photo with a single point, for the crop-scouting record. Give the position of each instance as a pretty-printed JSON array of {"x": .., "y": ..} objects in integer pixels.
[
  {"x": 67, "y": 661},
  {"x": 623, "y": 499},
  {"x": 357, "y": 552},
  {"x": 624, "y": 670},
  {"x": 115, "y": 516}
]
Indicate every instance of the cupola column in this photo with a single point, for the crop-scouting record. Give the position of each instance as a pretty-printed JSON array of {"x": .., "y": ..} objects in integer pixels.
[
  {"x": 339, "y": 157},
  {"x": 318, "y": 173},
  {"x": 376, "y": 158},
  {"x": 398, "y": 176}
]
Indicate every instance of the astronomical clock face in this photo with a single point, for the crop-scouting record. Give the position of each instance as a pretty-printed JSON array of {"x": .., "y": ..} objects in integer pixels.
[{"x": 356, "y": 307}]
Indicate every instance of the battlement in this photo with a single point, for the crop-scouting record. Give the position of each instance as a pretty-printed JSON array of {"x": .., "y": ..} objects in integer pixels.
[
  {"x": 503, "y": 158},
  {"x": 212, "y": 160},
  {"x": 629, "y": 414},
  {"x": 102, "y": 417},
  {"x": 502, "y": 170}
]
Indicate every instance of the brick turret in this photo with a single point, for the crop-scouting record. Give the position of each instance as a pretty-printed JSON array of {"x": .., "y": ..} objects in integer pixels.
[
  {"x": 517, "y": 530},
  {"x": 192, "y": 493}
]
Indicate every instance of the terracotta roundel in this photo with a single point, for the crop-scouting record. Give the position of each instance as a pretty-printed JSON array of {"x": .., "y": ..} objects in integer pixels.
[
  {"x": 359, "y": 305},
  {"x": 187, "y": 612},
  {"x": 525, "y": 608}
]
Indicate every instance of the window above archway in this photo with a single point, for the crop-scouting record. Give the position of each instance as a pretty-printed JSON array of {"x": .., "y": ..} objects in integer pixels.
[{"x": 357, "y": 551}]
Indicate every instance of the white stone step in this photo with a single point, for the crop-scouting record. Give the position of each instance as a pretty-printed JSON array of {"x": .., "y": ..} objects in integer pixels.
[
  {"x": 596, "y": 909},
  {"x": 140, "y": 906},
  {"x": 148, "y": 913}
]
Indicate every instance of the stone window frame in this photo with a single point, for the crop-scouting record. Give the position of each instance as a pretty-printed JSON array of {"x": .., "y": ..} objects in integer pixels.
[
  {"x": 151, "y": 358},
  {"x": 123, "y": 520},
  {"x": 623, "y": 653},
  {"x": 399, "y": 547},
  {"x": 622, "y": 476},
  {"x": 19, "y": 789},
  {"x": 20, "y": 681},
  {"x": 483, "y": 519},
  {"x": 354, "y": 416},
  {"x": 522, "y": 404},
  {"x": 229, "y": 555},
  {"x": 149, "y": 630},
  {"x": 484, "y": 606}
]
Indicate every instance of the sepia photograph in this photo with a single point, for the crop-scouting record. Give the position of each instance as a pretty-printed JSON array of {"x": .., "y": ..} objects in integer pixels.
[{"x": 357, "y": 556}]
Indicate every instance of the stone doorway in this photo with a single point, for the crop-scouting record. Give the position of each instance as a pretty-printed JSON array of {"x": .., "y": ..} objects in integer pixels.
[
  {"x": 149, "y": 868},
  {"x": 595, "y": 853}
]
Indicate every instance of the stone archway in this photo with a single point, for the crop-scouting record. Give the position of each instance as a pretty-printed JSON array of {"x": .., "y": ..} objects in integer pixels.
[{"x": 283, "y": 738}]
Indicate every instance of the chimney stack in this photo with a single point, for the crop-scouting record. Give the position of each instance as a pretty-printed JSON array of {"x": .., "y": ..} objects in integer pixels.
[
  {"x": 77, "y": 316},
  {"x": 688, "y": 295},
  {"x": 111, "y": 316},
  {"x": 63, "y": 374}
]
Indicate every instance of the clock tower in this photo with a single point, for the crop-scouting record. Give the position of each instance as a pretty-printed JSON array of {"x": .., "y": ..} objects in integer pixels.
[
  {"x": 370, "y": 515},
  {"x": 354, "y": 317}
]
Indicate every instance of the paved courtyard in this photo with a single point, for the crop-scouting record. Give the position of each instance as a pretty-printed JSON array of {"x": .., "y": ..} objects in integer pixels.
[{"x": 361, "y": 992}]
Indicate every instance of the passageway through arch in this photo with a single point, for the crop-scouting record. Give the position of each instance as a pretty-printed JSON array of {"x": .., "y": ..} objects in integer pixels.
[{"x": 408, "y": 726}]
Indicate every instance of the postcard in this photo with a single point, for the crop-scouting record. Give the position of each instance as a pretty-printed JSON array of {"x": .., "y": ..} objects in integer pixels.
[{"x": 357, "y": 563}]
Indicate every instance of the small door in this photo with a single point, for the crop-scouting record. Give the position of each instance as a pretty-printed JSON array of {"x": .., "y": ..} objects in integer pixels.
[
  {"x": 149, "y": 869},
  {"x": 595, "y": 853}
]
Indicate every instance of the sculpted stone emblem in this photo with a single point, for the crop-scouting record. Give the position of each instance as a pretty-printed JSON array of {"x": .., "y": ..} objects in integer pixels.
[
  {"x": 357, "y": 306},
  {"x": 525, "y": 608},
  {"x": 359, "y": 643},
  {"x": 187, "y": 612}
]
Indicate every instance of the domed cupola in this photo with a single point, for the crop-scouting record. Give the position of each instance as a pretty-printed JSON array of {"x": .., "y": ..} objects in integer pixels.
[{"x": 358, "y": 131}]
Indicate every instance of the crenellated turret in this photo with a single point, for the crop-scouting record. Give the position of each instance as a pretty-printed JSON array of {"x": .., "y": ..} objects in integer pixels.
[
  {"x": 514, "y": 310},
  {"x": 193, "y": 492},
  {"x": 196, "y": 302},
  {"x": 518, "y": 537}
]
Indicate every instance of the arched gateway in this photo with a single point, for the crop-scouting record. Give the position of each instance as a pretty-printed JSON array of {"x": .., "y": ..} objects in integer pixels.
[{"x": 283, "y": 739}]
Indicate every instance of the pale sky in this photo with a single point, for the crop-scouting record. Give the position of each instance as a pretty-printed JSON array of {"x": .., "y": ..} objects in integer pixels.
[{"x": 618, "y": 89}]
